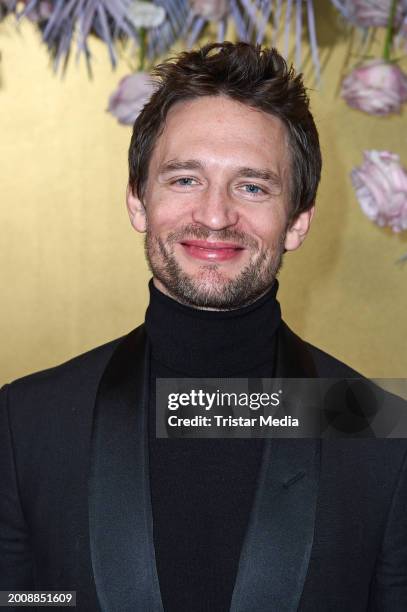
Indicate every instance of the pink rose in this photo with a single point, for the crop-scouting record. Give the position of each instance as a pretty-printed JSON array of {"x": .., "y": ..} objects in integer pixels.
[
  {"x": 211, "y": 10},
  {"x": 373, "y": 13},
  {"x": 132, "y": 93},
  {"x": 381, "y": 188},
  {"x": 377, "y": 88}
]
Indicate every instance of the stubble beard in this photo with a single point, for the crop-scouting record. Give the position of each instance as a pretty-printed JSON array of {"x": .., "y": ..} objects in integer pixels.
[{"x": 210, "y": 288}]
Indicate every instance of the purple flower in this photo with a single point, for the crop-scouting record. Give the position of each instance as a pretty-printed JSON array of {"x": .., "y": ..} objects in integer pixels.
[
  {"x": 377, "y": 88},
  {"x": 373, "y": 13},
  {"x": 213, "y": 10},
  {"x": 132, "y": 93},
  {"x": 381, "y": 188},
  {"x": 146, "y": 15},
  {"x": 41, "y": 11},
  {"x": 71, "y": 20}
]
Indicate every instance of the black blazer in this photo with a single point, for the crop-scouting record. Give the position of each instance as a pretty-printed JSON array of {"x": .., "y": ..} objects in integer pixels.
[{"x": 328, "y": 527}]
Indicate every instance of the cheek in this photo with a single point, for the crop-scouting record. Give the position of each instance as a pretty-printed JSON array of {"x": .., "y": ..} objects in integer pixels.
[
  {"x": 162, "y": 221},
  {"x": 267, "y": 228},
  {"x": 164, "y": 211}
]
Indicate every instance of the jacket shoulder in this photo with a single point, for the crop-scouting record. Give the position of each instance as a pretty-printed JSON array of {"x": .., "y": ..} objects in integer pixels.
[
  {"x": 82, "y": 371},
  {"x": 313, "y": 362},
  {"x": 329, "y": 366}
]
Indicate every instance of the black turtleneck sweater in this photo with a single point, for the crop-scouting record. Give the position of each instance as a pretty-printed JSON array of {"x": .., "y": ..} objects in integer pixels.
[{"x": 202, "y": 490}]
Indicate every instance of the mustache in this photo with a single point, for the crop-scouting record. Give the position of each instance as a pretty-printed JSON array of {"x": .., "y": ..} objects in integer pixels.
[{"x": 202, "y": 233}]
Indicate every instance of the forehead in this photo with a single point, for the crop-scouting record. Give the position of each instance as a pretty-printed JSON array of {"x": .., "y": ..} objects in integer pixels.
[{"x": 219, "y": 129}]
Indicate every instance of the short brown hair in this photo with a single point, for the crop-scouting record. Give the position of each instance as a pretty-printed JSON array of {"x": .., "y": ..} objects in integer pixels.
[{"x": 255, "y": 76}]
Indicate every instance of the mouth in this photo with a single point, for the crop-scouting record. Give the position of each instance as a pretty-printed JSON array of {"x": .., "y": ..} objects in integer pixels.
[{"x": 212, "y": 251}]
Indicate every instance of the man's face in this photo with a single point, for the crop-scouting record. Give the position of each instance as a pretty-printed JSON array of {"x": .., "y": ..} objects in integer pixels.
[{"x": 216, "y": 204}]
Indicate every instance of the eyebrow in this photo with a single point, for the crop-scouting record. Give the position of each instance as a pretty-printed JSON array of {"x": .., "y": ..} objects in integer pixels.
[
  {"x": 245, "y": 171},
  {"x": 174, "y": 164},
  {"x": 259, "y": 173}
]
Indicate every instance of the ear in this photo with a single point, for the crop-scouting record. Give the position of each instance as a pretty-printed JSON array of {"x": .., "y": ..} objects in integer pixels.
[
  {"x": 136, "y": 210},
  {"x": 298, "y": 230}
]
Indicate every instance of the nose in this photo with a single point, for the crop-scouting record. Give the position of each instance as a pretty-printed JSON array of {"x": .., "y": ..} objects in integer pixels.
[{"x": 215, "y": 209}]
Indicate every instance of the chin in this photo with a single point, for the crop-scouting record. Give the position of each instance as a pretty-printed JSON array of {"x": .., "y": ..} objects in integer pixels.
[{"x": 210, "y": 280}]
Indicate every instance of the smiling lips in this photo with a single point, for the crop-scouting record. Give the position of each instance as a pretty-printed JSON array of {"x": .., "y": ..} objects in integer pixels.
[{"x": 213, "y": 251}]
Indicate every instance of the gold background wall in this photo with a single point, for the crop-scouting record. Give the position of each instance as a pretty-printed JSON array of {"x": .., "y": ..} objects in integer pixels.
[{"x": 72, "y": 270}]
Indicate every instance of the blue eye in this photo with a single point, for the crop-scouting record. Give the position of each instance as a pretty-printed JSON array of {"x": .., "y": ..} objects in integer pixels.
[
  {"x": 255, "y": 189},
  {"x": 185, "y": 181}
]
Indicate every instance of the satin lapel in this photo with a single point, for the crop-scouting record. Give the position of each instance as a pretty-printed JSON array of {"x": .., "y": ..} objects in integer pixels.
[
  {"x": 120, "y": 516},
  {"x": 277, "y": 548}
]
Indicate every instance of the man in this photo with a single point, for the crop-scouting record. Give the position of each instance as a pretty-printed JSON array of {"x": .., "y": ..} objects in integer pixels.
[{"x": 224, "y": 168}]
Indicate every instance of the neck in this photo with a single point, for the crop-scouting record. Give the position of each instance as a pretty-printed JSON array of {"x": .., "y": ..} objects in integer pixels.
[
  {"x": 202, "y": 342},
  {"x": 163, "y": 289}
]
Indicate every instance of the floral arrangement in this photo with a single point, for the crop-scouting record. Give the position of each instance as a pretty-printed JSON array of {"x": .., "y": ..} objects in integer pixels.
[
  {"x": 381, "y": 187},
  {"x": 379, "y": 87},
  {"x": 156, "y": 24}
]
